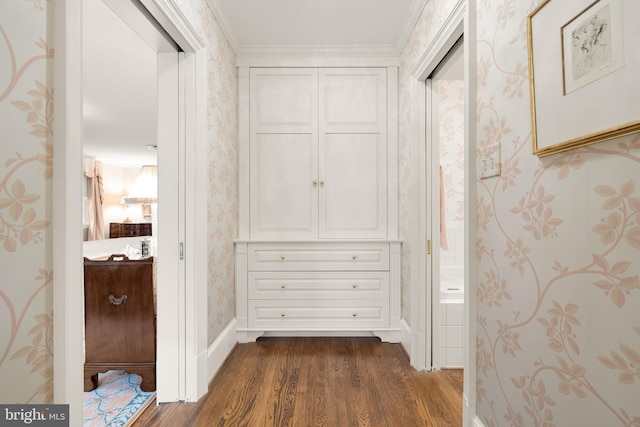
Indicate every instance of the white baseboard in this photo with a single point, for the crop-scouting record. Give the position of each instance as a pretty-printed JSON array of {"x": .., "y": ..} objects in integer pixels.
[
  {"x": 405, "y": 336},
  {"x": 476, "y": 422},
  {"x": 220, "y": 348}
]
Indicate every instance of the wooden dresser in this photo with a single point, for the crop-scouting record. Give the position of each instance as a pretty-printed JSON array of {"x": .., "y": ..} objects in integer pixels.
[
  {"x": 120, "y": 332},
  {"x": 129, "y": 229}
]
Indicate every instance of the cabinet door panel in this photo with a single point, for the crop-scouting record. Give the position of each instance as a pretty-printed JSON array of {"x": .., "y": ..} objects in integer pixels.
[
  {"x": 284, "y": 201},
  {"x": 353, "y": 100},
  {"x": 283, "y": 153},
  {"x": 353, "y": 196},
  {"x": 353, "y": 153},
  {"x": 284, "y": 98}
]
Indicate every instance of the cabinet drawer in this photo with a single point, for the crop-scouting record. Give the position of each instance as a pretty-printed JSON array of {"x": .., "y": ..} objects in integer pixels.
[
  {"x": 316, "y": 285},
  {"x": 320, "y": 315},
  {"x": 318, "y": 256}
]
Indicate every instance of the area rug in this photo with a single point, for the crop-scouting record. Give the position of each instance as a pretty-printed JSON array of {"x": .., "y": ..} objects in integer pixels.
[{"x": 116, "y": 402}]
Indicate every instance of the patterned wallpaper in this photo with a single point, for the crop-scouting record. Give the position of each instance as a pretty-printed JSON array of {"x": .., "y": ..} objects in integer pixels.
[
  {"x": 26, "y": 135},
  {"x": 558, "y": 341},
  {"x": 222, "y": 157},
  {"x": 451, "y": 95}
]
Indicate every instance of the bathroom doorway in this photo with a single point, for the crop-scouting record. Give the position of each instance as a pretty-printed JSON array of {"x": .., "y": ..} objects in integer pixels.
[{"x": 445, "y": 109}]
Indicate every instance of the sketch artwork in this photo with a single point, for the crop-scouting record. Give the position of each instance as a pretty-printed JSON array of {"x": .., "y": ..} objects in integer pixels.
[{"x": 592, "y": 44}]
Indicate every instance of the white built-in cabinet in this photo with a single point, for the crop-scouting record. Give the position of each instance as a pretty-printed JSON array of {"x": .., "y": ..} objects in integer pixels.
[{"x": 317, "y": 249}]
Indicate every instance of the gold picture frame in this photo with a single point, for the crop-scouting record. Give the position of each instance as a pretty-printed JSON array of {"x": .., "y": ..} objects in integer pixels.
[{"x": 583, "y": 69}]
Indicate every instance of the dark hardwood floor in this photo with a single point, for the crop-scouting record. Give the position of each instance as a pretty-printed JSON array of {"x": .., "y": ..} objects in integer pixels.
[{"x": 331, "y": 382}]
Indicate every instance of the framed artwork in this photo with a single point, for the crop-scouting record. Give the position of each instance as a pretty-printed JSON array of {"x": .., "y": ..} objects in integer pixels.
[{"x": 584, "y": 69}]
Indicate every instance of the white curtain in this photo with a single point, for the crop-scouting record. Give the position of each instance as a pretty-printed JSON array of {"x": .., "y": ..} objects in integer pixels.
[{"x": 95, "y": 194}]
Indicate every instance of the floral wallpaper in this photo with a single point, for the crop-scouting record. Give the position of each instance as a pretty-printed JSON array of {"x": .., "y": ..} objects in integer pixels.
[
  {"x": 451, "y": 95},
  {"x": 26, "y": 135},
  {"x": 558, "y": 288},
  {"x": 558, "y": 341},
  {"x": 222, "y": 157},
  {"x": 26, "y": 168}
]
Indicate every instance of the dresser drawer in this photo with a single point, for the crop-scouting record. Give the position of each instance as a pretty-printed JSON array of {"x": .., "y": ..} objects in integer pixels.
[
  {"x": 318, "y": 256},
  {"x": 316, "y": 285},
  {"x": 320, "y": 315}
]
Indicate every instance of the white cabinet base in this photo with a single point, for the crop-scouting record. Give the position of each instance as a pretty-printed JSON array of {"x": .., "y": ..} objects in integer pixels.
[{"x": 346, "y": 288}]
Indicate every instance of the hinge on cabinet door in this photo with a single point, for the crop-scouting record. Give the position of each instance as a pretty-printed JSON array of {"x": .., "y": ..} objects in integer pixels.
[
  {"x": 428, "y": 247},
  {"x": 181, "y": 250}
]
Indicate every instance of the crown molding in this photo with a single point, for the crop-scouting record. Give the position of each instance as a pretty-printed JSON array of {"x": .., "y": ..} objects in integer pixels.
[
  {"x": 318, "y": 55},
  {"x": 249, "y": 54},
  {"x": 417, "y": 6},
  {"x": 221, "y": 16}
]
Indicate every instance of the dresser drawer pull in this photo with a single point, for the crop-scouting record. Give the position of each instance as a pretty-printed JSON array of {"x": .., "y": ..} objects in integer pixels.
[
  {"x": 117, "y": 301},
  {"x": 282, "y": 314},
  {"x": 283, "y": 286},
  {"x": 354, "y": 286},
  {"x": 282, "y": 257},
  {"x": 355, "y": 314},
  {"x": 354, "y": 256}
]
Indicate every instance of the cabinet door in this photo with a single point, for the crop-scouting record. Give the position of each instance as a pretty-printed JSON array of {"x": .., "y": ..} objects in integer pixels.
[
  {"x": 353, "y": 153},
  {"x": 283, "y": 153}
]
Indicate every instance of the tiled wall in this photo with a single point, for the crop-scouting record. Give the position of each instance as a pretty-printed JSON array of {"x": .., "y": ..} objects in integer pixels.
[
  {"x": 454, "y": 255},
  {"x": 451, "y": 334}
]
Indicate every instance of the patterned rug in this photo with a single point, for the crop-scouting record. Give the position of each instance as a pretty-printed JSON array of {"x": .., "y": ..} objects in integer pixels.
[{"x": 117, "y": 401}]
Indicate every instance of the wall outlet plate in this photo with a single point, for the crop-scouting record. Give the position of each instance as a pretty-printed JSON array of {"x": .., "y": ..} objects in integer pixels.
[{"x": 489, "y": 162}]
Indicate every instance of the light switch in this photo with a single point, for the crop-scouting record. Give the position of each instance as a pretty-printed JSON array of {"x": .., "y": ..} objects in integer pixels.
[{"x": 489, "y": 163}]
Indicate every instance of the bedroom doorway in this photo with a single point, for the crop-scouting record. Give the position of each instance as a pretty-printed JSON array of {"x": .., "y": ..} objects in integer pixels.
[
  {"x": 182, "y": 309},
  {"x": 131, "y": 129}
]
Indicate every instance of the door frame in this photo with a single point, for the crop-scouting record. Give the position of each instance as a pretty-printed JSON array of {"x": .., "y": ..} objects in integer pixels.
[
  {"x": 67, "y": 205},
  {"x": 461, "y": 21}
]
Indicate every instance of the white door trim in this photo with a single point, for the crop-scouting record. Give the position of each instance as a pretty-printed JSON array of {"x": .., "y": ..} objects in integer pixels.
[
  {"x": 67, "y": 205},
  {"x": 462, "y": 20}
]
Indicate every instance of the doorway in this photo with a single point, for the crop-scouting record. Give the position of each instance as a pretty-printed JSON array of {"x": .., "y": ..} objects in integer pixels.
[
  {"x": 445, "y": 108},
  {"x": 130, "y": 114},
  {"x": 181, "y": 305}
]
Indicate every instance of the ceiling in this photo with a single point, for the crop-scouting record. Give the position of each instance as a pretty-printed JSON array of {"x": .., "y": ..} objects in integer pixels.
[
  {"x": 250, "y": 23},
  {"x": 119, "y": 68},
  {"x": 119, "y": 90}
]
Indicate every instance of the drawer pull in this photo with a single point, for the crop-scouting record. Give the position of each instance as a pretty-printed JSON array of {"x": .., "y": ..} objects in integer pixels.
[
  {"x": 117, "y": 301},
  {"x": 355, "y": 314},
  {"x": 354, "y": 256},
  {"x": 283, "y": 314},
  {"x": 282, "y": 286},
  {"x": 355, "y": 285},
  {"x": 281, "y": 256}
]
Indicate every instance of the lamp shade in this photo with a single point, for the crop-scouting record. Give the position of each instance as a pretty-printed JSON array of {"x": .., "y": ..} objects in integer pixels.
[{"x": 145, "y": 188}]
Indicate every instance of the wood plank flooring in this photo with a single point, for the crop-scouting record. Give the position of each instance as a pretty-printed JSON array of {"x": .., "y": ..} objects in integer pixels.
[{"x": 330, "y": 382}]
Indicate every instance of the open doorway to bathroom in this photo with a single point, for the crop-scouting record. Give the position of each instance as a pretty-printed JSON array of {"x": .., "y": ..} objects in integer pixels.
[{"x": 445, "y": 109}]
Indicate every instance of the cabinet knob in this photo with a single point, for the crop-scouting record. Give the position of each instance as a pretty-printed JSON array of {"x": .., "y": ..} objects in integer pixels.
[
  {"x": 322, "y": 182},
  {"x": 281, "y": 256},
  {"x": 283, "y": 314},
  {"x": 315, "y": 182},
  {"x": 354, "y": 286},
  {"x": 354, "y": 256},
  {"x": 282, "y": 286},
  {"x": 355, "y": 314}
]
